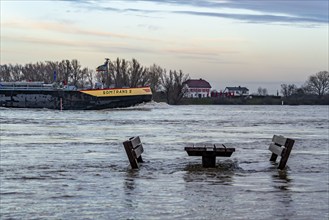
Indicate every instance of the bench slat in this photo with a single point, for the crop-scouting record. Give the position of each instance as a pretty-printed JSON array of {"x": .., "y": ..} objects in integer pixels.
[
  {"x": 279, "y": 140},
  {"x": 276, "y": 149},
  {"x": 201, "y": 151},
  {"x": 138, "y": 151},
  {"x": 281, "y": 146},
  {"x": 135, "y": 141}
]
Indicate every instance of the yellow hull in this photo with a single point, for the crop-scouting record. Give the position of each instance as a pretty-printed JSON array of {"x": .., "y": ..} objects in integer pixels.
[{"x": 118, "y": 92}]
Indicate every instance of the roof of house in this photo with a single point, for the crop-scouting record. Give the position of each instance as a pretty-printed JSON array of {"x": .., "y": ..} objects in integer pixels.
[
  {"x": 197, "y": 83},
  {"x": 237, "y": 88}
]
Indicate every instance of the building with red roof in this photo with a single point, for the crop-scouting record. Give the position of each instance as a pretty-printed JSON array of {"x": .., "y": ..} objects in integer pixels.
[{"x": 197, "y": 88}]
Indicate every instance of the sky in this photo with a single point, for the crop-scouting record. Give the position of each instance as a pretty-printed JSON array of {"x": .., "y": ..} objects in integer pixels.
[{"x": 251, "y": 43}]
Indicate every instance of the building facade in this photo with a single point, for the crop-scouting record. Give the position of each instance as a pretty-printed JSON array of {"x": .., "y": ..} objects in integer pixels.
[
  {"x": 236, "y": 91},
  {"x": 197, "y": 88}
]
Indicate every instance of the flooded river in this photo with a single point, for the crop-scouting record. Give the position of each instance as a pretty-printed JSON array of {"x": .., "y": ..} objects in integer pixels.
[{"x": 72, "y": 164}]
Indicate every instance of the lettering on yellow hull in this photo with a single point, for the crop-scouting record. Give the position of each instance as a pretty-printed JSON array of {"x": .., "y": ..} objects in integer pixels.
[{"x": 118, "y": 92}]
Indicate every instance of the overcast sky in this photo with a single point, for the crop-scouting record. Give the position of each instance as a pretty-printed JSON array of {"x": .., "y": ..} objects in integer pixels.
[{"x": 260, "y": 43}]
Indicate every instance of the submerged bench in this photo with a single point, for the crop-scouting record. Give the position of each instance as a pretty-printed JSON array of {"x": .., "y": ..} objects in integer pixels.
[
  {"x": 134, "y": 150},
  {"x": 282, "y": 147},
  {"x": 209, "y": 154}
]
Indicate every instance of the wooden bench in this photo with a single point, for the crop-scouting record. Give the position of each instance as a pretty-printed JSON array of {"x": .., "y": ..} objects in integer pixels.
[
  {"x": 282, "y": 147},
  {"x": 134, "y": 150},
  {"x": 209, "y": 154}
]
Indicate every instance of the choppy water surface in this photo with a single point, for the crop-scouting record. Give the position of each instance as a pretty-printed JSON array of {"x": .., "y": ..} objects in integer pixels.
[{"x": 72, "y": 164}]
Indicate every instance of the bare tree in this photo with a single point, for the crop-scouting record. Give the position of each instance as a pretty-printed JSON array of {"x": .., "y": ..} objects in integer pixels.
[
  {"x": 5, "y": 71},
  {"x": 128, "y": 74},
  {"x": 155, "y": 74},
  {"x": 76, "y": 74},
  {"x": 174, "y": 86},
  {"x": 318, "y": 84},
  {"x": 288, "y": 89},
  {"x": 64, "y": 70},
  {"x": 167, "y": 82},
  {"x": 45, "y": 72},
  {"x": 36, "y": 72},
  {"x": 137, "y": 74},
  {"x": 179, "y": 86},
  {"x": 16, "y": 72},
  {"x": 118, "y": 68},
  {"x": 27, "y": 72},
  {"x": 262, "y": 91},
  {"x": 88, "y": 77}
]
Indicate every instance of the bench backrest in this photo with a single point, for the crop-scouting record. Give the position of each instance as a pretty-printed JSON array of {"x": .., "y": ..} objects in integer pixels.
[
  {"x": 282, "y": 147},
  {"x": 134, "y": 150}
]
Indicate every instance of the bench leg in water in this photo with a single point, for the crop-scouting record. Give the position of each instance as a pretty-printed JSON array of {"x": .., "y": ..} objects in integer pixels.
[{"x": 208, "y": 161}]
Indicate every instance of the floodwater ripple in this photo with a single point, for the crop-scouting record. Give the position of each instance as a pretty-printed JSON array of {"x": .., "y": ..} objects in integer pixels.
[{"x": 72, "y": 165}]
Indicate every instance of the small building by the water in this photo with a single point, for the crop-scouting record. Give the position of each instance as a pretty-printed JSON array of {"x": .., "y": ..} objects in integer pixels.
[
  {"x": 197, "y": 88},
  {"x": 236, "y": 91}
]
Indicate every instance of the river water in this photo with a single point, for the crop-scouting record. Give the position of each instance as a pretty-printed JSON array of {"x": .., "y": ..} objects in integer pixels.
[{"x": 72, "y": 164}]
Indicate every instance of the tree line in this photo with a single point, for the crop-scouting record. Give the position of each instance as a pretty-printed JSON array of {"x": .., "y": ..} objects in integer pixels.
[
  {"x": 118, "y": 73},
  {"x": 317, "y": 84},
  {"x": 168, "y": 85}
]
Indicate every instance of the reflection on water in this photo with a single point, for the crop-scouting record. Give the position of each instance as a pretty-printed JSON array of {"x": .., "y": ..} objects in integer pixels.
[
  {"x": 281, "y": 180},
  {"x": 72, "y": 164},
  {"x": 283, "y": 202},
  {"x": 219, "y": 175}
]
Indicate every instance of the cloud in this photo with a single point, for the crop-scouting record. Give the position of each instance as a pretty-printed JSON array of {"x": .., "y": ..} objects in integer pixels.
[
  {"x": 38, "y": 34},
  {"x": 78, "y": 45},
  {"x": 307, "y": 9},
  {"x": 198, "y": 51},
  {"x": 283, "y": 11},
  {"x": 292, "y": 11},
  {"x": 67, "y": 28},
  {"x": 264, "y": 11},
  {"x": 256, "y": 18}
]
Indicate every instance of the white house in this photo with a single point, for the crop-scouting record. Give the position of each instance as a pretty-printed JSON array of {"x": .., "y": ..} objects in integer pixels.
[
  {"x": 197, "y": 88},
  {"x": 236, "y": 91}
]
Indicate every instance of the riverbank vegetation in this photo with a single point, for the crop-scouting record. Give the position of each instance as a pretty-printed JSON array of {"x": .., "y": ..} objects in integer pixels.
[
  {"x": 251, "y": 100},
  {"x": 167, "y": 86}
]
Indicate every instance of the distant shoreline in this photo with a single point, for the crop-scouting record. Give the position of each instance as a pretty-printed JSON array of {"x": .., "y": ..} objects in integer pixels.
[{"x": 251, "y": 100}]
